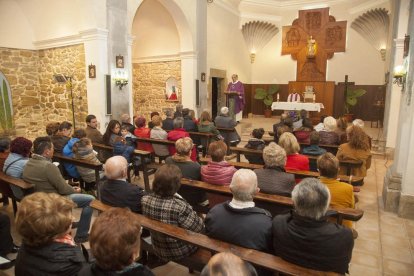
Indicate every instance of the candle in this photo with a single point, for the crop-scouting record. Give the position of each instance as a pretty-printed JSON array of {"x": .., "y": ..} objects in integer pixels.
[
  {"x": 277, "y": 96},
  {"x": 314, "y": 97}
]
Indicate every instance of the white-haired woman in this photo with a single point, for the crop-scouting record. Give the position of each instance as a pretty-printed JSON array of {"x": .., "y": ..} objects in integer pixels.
[
  {"x": 327, "y": 135},
  {"x": 273, "y": 179}
]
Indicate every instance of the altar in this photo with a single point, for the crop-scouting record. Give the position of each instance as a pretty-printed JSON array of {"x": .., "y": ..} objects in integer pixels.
[{"x": 297, "y": 106}]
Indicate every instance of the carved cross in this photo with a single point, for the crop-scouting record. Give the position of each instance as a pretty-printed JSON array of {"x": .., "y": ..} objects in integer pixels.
[{"x": 329, "y": 35}]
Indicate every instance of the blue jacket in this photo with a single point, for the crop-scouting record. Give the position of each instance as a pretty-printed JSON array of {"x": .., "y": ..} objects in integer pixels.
[
  {"x": 123, "y": 150},
  {"x": 67, "y": 151}
]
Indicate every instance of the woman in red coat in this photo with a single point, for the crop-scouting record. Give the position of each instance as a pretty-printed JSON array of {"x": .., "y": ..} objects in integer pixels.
[
  {"x": 142, "y": 132},
  {"x": 295, "y": 161}
]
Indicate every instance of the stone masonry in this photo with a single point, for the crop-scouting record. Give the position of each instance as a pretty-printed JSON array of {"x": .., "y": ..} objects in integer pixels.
[
  {"x": 149, "y": 86},
  {"x": 37, "y": 98}
]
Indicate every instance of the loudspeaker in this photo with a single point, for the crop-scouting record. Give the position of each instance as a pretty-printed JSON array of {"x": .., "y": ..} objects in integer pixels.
[{"x": 108, "y": 94}]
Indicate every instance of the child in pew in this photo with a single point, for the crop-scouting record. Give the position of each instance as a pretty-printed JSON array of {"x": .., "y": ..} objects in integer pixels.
[
  {"x": 313, "y": 149},
  {"x": 83, "y": 150},
  {"x": 130, "y": 138},
  {"x": 121, "y": 148},
  {"x": 256, "y": 143}
]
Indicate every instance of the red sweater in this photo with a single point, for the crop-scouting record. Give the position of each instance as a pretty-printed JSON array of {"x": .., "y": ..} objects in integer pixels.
[
  {"x": 297, "y": 162},
  {"x": 143, "y": 132},
  {"x": 176, "y": 134}
]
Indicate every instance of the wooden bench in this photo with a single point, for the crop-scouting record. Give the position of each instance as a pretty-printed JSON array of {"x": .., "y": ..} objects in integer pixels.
[
  {"x": 255, "y": 257},
  {"x": 79, "y": 162},
  {"x": 275, "y": 204},
  {"x": 141, "y": 153},
  {"x": 6, "y": 181},
  {"x": 354, "y": 180}
]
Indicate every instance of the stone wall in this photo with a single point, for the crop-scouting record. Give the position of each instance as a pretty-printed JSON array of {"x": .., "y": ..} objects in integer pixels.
[
  {"x": 37, "y": 98},
  {"x": 149, "y": 86}
]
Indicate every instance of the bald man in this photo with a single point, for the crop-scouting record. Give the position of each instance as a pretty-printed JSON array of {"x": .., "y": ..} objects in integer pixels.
[
  {"x": 238, "y": 221},
  {"x": 226, "y": 263},
  {"x": 116, "y": 191}
]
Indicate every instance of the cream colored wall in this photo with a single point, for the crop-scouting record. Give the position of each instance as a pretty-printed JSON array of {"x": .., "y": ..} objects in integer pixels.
[
  {"x": 155, "y": 31},
  {"x": 226, "y": 48},
  {"x": 22, "y": 22},
  {"x": 361, "y": 62},
  {"x": 15, "y": 29}
]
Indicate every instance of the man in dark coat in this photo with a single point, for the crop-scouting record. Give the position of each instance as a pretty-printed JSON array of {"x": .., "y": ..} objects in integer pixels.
[
  {"x": 225, "y": 121},
  {"x": 305, "y": 237},
  {"x": 239, "y": 221},
  {"x": 116, "y": 191},
  {"x": 167, "y": 124}
]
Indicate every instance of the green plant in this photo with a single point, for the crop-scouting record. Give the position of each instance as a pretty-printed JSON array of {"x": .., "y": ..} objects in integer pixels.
[
  {"x": 352, "y": 96},
  {"x": 266, "y": 95},
  {"x": 6, "y": 121}
]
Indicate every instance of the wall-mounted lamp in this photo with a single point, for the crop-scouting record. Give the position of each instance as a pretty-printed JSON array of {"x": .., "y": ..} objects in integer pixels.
[
  {"x": 399, "y": 76},
  {"x": 121, "y": 82},
  {"x": 120, "y": 78},
  {"x": 383, "y": 51}
]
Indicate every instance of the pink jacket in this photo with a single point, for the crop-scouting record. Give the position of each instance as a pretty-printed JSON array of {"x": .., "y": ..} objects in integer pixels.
[{"x": 219, "y": 173}]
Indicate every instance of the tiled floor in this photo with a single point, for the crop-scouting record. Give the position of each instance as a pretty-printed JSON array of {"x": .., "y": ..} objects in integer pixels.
[{"x": 385, "y": 245}]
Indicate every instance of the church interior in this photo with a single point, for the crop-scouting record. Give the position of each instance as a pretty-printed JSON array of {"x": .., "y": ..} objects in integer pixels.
[{"x": 62, "y": 60}]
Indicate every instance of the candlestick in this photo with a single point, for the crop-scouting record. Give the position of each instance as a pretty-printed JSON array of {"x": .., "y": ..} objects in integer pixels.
[
  {"x": 314, "y": 97},
  {"x": 277, "y": 96}
]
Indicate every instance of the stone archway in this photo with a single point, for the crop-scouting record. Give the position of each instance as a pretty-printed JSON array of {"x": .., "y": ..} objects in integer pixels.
[{"x": 177, "y": 61}]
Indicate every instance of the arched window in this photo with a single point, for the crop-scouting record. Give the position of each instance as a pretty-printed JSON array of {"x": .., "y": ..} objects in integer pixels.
[{"x": 6, "y": 107}]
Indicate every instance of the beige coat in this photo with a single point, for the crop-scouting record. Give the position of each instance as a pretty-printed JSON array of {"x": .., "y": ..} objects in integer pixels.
[{"x": 345, "y": 152}]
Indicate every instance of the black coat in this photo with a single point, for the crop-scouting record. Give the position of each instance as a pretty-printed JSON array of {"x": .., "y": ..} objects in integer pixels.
[
  {"x": 315, "y": 244},
  {"x": 168, "y": 124},
  {"x": 53, "y": 259},
  {"x": 248, "y": 227},
  {"x": 122, "y": 194}
]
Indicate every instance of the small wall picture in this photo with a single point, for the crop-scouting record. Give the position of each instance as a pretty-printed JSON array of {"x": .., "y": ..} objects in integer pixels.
[
  {"x": 92, "y": 71},
  {"x": 119, "y": 61}
]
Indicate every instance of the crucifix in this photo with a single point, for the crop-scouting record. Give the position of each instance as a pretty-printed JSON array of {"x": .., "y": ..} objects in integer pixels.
[{"x": 312, "y": 39}]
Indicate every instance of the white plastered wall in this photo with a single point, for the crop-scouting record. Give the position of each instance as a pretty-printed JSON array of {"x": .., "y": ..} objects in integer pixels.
[{"x": 226, "y": 48}]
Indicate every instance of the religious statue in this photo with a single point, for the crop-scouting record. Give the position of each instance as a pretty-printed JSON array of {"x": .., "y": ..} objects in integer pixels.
[
  {"x": 311, "y": 48},
  {"x": 237, "y": 86}
]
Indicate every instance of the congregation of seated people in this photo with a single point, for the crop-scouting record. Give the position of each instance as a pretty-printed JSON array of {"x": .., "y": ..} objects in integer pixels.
[{"x": 44, "y": 219}]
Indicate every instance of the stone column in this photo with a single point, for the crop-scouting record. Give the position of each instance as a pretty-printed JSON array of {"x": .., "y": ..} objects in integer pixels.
[
  {"x": 117, "y": 15},
  {"x": 188, "y": 77},
  {"x": 96, "y": 53},
  {"x": 398, "y": 191}
]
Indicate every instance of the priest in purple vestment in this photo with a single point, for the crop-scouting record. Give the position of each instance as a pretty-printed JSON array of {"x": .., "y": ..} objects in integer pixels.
[{"x": 237, "y": 86}]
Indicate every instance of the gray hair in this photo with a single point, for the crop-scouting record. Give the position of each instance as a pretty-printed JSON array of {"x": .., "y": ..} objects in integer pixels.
[
  {"x": 125, "y": 118},
  {"x": 311, "y": 198},
  {"x": 116, "y": 167},
  {"x": 169, "y": 113},
  {"x": 244, "y": 185},
  {"x": 329, "y": 123},
  {"x": 358, "y": 122},
  {"x": 274, "y": 155},
  {"x": 224, "y": 110},
  {"x": 178, "y": 122},
  {"x": 179, "y": 107}
]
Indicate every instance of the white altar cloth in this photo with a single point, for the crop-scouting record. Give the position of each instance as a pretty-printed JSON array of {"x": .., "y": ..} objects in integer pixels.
[{"x": 297, "y": 106}]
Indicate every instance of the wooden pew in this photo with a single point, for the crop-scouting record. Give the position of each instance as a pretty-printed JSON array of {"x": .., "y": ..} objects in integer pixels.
[
  {"x": 265, "y": 260},
  {"x": 141, "y": 153},
  {"x": 6, "y": 181},
  {"x": 353, "y": 180},
  {"x": 79, "y": 162},
  {"x": 284, "y": 203}
]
